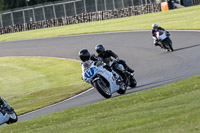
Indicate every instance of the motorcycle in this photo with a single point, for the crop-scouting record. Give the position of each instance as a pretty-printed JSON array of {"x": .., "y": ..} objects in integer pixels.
[
  {"x": 163, "y": 39},
  {"x": 105, "y": 81},
  {"x": 7, "y": 114},
  {"x": 128, "y": 77}
]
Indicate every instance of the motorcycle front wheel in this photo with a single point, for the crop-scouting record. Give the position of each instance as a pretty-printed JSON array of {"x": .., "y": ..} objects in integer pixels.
[
  {"x": 13, "y": 117},
  {"x": 102, "y": 88}
]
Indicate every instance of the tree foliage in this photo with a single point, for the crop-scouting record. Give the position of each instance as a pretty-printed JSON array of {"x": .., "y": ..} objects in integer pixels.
[{"x": 10, "y": 4}]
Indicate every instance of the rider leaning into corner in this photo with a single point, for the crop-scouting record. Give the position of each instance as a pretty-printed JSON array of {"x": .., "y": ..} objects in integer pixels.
[
  {"x": 107, "y": 54},
  {"x": 86, "y": 58},
  {"x": 154, "y": 30},
  {"x": 105, "y": 57}
]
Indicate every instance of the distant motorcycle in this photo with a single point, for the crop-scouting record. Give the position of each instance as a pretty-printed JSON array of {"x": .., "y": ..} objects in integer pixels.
[
  {"x": 7, "y": 115},
  {"x": 163, "y": 39},
  {"x": 106, "y": 82}
]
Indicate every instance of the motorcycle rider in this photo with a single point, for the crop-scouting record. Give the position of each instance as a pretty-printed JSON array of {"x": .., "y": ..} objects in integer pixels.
[
  {"x": 154, "y": 30},
  {"x": 107, "y": 54},
  {"x": 86, "y": 59}
]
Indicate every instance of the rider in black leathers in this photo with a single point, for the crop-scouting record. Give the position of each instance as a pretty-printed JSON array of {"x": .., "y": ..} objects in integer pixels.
[
  {"x": 107, "y": 54},
  {"x": 154, "y": 30},
  {"x": 85, "y": 56}
]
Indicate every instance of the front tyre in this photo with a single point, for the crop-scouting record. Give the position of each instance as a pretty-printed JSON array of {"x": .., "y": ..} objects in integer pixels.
[
  {"x": 13, "y": 117},
  {"x": 171, "y": 48},
  {"x": 102, "y": 88}
]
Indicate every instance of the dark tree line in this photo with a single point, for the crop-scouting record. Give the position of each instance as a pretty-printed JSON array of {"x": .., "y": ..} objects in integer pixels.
[{"x": 10, "y": 4}]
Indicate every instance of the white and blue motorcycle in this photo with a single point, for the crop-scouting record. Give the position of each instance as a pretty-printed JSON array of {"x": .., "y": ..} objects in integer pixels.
[
  {"x": 163, "y": 39},
  {"x": 7, "y": 114},
  {"x": 107, "y": 81}
]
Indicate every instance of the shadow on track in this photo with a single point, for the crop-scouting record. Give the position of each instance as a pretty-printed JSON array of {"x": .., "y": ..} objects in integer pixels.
[
  {"x": 187, "y": 47},
  {"x": 183, "y": 48},
  {"x": 150, "y": 85}
]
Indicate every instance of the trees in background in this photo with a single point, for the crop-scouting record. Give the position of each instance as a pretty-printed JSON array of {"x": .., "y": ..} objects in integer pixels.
[{"x": 10, "y": 4}]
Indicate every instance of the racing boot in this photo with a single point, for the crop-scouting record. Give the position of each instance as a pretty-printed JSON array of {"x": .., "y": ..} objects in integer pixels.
[{"x": 129, "y": 69}]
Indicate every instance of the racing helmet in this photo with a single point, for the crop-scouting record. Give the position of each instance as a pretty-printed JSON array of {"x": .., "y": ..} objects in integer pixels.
[
  {"x": 84, "y": 55},
  {"x": 155, "y": 26},
  {"x": 99, "y": 48}
]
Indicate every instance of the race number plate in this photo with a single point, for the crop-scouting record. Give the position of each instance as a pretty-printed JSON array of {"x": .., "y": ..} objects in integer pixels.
[{"x": 90, "y": 72}]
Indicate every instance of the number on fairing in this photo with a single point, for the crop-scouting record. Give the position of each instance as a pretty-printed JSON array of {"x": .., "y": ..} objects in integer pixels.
[{"x": 90, "y": 72}]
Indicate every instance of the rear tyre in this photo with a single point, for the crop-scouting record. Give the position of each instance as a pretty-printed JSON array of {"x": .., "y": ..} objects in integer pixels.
[
  {"x": 122, "y": 91},
  {"x": 171, "y": 48},
  {"x": 170, "y": 44},
  {"x": 133, "y": 82},
  {"x": 102, "y": 89}
]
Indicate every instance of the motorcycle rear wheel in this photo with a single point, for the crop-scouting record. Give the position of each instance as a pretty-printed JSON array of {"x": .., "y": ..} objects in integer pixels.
[
  {"x": 122, "y": 91},
  {"x": 171, "y": 48},
  {"x": 133, "y": 82},
  {"x": 169, "y": 43}
]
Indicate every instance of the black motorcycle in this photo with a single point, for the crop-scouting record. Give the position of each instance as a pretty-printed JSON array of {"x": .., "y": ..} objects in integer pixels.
[{"x": 128, "y": 77}]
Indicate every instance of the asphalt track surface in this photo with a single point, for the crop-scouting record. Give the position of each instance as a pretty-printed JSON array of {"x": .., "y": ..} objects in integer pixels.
[{"x": 153, "y": 66}]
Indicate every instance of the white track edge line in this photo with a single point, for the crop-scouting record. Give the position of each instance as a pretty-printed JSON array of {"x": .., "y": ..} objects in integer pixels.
[{"x": 58, "y": 102}]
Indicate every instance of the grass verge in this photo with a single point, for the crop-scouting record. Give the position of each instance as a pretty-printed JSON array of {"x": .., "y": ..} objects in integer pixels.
[
  {"x": 170, "y": 108},
  {"x": 179, "y": 19},
  {"x": 28, "y": 83}
]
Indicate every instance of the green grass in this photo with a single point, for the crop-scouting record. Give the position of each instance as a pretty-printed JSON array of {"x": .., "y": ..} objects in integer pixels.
[
  {"x": 179, "y": 19},
  {"x": 171, "y": 108},
  {"x": 28, "y": 83}
]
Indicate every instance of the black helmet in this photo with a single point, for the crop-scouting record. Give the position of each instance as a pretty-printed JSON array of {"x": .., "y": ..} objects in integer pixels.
[
  {"x": 99, "y": 48},
  {"x": 84, "y": 55}
]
